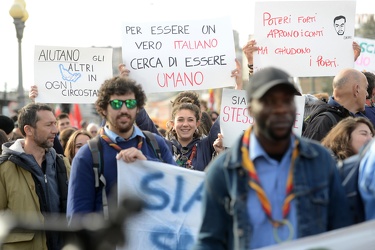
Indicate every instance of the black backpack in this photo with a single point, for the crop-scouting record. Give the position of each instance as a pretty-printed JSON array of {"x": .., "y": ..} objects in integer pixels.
[
  {"x": 98, "y": 164},
  {"x": 315, "y": 109},
  {"x": 349, "y": 172}
]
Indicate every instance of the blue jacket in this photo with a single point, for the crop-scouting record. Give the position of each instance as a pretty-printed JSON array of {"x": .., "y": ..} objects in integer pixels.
[
  {"x": 205, "y": 147},
  {"x": 320, "y": 200},
  {"x": 83, "y": 198},
  {"x": 366, "y": 181},
  {"x": 369, "y": 113}
]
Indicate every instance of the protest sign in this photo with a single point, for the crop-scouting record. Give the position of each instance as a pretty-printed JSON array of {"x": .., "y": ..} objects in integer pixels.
[
  {"x": 180, "y": 55},
  {"x": 172, "y": 213},
  {"x": 234, "y": 116},
  {"x": 70, "y": 74},
  {"x": 305, "y": 38},
  {"x": 366, "y": 60}
]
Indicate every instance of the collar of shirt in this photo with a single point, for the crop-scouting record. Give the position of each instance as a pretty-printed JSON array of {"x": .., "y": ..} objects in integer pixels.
[
  {"x": 256, "y": 150},
  {"x": 334, "y": 103},
  {"x": 116, "y": 138}
]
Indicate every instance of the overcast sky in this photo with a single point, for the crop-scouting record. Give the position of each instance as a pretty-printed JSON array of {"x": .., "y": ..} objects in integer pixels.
[{"x": 85, "y": 23}]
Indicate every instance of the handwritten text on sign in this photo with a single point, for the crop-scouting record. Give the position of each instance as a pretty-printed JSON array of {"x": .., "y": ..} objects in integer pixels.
[
  {"x": 366, "y": 61},
  {"x": 234, "y": 116},
  {"x": 178, "y": 56},
  {"x": 70, "y": 74},
  {"x": 172, "y": 214},
  {"x": 305, "y": 38}
]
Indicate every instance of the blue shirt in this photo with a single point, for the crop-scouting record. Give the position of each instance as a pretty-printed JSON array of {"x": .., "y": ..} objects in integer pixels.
[
  {"x": 366, "y": 182},
  {"x": 116, "y": 138},
  {"x": 273, "y": 176}
]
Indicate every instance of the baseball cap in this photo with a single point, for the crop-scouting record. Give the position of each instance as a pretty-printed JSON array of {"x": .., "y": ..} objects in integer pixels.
[{"x": 267, "y": 78}]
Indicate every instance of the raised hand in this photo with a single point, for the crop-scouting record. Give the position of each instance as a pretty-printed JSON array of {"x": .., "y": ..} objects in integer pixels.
[{"x": 124, "y": 72}]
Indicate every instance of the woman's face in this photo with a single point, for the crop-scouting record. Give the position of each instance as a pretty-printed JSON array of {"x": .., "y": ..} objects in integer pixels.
[
  {"x": 360, "y": 135},
  {"x": 80, "y": 141},
  {"x": 185, "y": 124}
]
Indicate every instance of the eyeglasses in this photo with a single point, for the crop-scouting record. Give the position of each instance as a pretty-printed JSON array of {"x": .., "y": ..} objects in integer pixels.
[{"x": 117, "y": 104}]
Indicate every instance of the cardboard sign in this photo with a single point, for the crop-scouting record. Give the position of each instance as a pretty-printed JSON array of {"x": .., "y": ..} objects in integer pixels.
[
  {"x": 305, "y": 38},
  {"x": 180, "y": 55},
  {"x": 70, "y": 74},
  {"x": 234, "y": 116},
  {"x": 172, "y": 214}
]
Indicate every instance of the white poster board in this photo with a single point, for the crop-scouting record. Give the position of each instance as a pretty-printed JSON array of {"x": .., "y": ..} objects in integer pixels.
[
  {"x": 234, "y": 116},
  {"x": 70, "y": 74},
  {"x": 303, "y": 37},
  {"x": 366, "y": 60},
  {"x": 359, "y": 236},
  {"x": 171, "y": 217},
  {"x": 180, "y": 55}
]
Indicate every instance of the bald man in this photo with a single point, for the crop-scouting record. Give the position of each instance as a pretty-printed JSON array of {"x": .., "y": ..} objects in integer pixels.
[{"x": 349, "y": 98}]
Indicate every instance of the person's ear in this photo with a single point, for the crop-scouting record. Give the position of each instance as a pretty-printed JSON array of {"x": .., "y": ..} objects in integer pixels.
[
  {"x": 28, "y": 130},
  {"x": 198, "y": 123},
  {"x": 356, "y": 90}
]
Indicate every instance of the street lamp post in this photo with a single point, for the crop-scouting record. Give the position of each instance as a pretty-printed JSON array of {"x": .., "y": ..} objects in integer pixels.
[{"x": 20, "y": 15}]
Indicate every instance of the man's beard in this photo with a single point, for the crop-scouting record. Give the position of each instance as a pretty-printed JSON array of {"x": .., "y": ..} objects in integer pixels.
[
  {"x": 43, "y": 144},
  {"x": 122, "y": 129}
]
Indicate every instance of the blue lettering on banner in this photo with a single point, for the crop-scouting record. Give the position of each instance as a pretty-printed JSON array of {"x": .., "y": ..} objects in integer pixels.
[
  {"x": 197, "y": 195},
  {"x": 163, "y": 237},
  {"x": 148, "y": 189},
  {"x": 154, "y": 191},
  {"x": 178, "y": 194}
]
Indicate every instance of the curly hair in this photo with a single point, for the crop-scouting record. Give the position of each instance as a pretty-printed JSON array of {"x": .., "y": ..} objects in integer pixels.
[
  {"x": 184, "y": 103},
  {"x": 192, "y": 95},
  {"x": 338, "y": 140},
  {"x": 119, "y": 86}
]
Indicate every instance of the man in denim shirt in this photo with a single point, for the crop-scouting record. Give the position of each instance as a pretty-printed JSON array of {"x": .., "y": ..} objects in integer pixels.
[{"x": 270, "y": 186}]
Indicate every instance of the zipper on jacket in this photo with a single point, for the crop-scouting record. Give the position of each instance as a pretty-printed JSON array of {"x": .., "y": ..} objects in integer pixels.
[{"x": 45, "y": 178}]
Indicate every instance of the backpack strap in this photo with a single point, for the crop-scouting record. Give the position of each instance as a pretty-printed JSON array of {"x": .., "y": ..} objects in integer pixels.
[
  {"x": 98, "y": 165},
  {"x": 150, "y": 139},
  {"x": 331, "y": 117}
]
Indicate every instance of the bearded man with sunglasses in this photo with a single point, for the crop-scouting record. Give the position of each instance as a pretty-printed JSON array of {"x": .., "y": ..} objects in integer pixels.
[{"x": 119, "y": 101}]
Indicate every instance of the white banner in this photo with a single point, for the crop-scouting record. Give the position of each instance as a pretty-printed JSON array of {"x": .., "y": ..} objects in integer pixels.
[
  {"x": 172, "y": 214},
  {"x": 359, "y": 236},
  {"x": 180, "y": 55},
  {"x": 234, "y": 116},
  {"x": 70, "y": 74},
  {"x": 366, "y": 61},
  {"x": 305, "y": 38}
]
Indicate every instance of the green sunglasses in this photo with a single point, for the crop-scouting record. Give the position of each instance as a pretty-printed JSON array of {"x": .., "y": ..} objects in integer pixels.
[{"x": 117, "y": 104}]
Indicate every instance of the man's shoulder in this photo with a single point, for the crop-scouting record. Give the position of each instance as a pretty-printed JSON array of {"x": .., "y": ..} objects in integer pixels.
[{"x": 313, "y": 148}]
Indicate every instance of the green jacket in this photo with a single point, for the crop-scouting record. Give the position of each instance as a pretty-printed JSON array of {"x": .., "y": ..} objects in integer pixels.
[{"x": 18, "y": 196}]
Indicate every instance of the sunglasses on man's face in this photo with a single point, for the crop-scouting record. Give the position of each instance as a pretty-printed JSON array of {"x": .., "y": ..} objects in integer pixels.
[{"x": 117, "y": 104}]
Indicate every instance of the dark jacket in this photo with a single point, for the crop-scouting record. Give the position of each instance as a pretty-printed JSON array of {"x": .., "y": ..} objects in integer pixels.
[
  {"x": 319, "y": 127},
  {"x": 320, "y": 200},
  {"x": 204, "y": 145}
]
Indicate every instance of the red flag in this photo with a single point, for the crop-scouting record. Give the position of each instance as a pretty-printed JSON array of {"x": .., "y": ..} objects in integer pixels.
[
  {"x": 57, "y": 110},
  {"x": 211, "y": 99},
  {"x": 75, "y": 116}
]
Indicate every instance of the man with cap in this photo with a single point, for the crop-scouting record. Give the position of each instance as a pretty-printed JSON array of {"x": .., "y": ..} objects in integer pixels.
[{"x": 271, "y": 185}]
